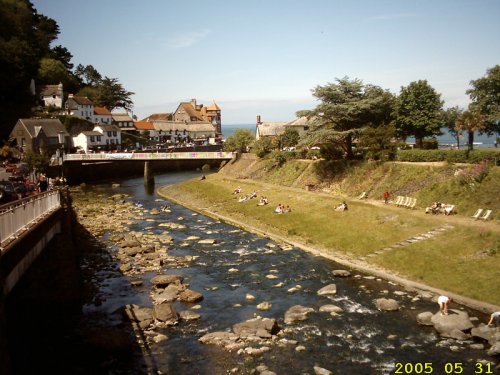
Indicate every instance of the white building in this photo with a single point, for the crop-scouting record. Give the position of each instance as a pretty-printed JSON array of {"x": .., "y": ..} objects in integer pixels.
[
  {"x": 80, "y": 106},
  {"x": 111, "y": 136},
  {"x": 89, "y": 141},
  {"x": 102, "y": 115},
  {"x": 52, "y": 95}
]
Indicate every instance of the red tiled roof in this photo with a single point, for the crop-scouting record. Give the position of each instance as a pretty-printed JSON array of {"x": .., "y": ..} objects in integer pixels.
[
  {"x": 144, "y": 125},
  {"x": 103, "y": 111}
]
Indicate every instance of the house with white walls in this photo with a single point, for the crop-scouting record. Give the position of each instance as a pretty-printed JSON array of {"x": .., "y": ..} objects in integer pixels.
[
  {"x": 52, "y": 95},
  {"x": 80, "y": 106},
  {"x": 89, "y": 141},
  {"x": 110, "y": 135}
]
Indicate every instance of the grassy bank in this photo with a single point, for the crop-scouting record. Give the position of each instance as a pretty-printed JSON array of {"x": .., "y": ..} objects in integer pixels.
[{"x": 463, "y": 258}]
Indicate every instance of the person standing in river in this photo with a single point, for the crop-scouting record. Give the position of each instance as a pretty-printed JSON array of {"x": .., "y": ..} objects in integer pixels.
[
  {"x": 443, "y": 302},
  {"x": 494, "y": 319}
]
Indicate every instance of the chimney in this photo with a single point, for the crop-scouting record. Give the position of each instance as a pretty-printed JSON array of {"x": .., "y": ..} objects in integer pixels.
[
  {"x": 70, "y": 96},
  {"x": 258, "y": 119},
  {"x": 193, "y": 103}
]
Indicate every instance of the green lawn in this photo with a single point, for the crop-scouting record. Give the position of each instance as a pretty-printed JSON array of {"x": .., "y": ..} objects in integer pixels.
[{"x": 452, "y": 261}]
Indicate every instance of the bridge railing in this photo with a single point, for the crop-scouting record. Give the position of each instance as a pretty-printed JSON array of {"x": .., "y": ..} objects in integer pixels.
[
  {"x": 19, "y": 215},
  {"x": 152, "y": 155}
]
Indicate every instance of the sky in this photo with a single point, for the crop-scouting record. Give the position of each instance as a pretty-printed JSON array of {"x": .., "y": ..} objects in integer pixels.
[{"x": 264, "y": 57}]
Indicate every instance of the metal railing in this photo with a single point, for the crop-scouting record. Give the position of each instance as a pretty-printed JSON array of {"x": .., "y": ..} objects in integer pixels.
[
  {"x": 17, "y": 216},
  {"x": 152, "y": 155}
]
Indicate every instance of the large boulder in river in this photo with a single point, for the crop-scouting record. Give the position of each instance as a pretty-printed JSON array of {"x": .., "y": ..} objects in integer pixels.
[
  {"x": 142, "y": 316},
  {"x": 490, "y": 334},
  {"x": 166, "y": 313},
  {"x": 425, "y": 318},
  {"x": 190, "y": 296},
  {"x": 261, "y": 327},
  {"x": 297, "y": 313},
  {"x": 327, "y": 290},
  {"x": 341, "y": 273},
  {"x": 387, "y": 304},
  {"x": 456, "y": 319},
  {"x": 162, "y": 281}
]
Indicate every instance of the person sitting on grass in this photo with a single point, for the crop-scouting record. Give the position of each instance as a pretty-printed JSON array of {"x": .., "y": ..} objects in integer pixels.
[
  {"x": 263, "y": 201},
  {"x": 279, "y": 209},
  {"x": 237, "y": 190},
  {"x": 341, "y": 207},
  {"x": 287, "y": 209}
]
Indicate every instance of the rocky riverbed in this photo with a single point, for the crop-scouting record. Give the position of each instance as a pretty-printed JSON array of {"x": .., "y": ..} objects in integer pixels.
[{"x": 171, "y": 291}]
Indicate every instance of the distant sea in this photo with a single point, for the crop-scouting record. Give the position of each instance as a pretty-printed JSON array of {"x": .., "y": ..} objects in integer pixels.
[
  {"x": 481, "y": 141},
  {"x": 228, "y": 130}
]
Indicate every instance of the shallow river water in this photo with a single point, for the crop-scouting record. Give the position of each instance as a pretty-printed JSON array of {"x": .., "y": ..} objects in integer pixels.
[{"x": 359, "y": 340}]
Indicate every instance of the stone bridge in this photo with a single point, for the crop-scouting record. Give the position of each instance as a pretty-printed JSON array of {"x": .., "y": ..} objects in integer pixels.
[{"x": 78, "y": 168}]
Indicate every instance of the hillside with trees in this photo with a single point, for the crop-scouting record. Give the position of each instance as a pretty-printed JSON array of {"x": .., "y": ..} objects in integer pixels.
[{"x": 29, "y": 58}]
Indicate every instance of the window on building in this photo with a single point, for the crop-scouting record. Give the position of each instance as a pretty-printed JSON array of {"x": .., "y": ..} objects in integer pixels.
[
  {"x": 107, "y": 141},
  {"x": 98, "y": 138},
  {"x": 114, "y": 134},
  {"x": 92, "y": 138},
  {"x": 112, "y": 141},
  {"x": 109, "y": 134}
]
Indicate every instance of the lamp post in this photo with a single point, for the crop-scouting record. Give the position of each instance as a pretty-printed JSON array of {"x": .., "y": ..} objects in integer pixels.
[{"x": 61, "y": 147}]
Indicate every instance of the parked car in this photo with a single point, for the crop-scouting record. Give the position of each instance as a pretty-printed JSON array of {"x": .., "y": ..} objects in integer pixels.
[{"x": 8, "y": 192}]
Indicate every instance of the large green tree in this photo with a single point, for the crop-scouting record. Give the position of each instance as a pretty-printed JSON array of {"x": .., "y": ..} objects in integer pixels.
[
  {"x": 418, "y": 111},
  {"x": 450, "y": 117},
  {"x": 485, "y": 96},
  {"x": 347, "y": 107},
  {"x": 470, "y": 121},
  {"x": 239, "y": 141},
  {"x": 25, "y": 37}
]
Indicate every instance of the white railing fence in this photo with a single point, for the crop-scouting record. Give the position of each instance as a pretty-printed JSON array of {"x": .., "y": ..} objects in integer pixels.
[
  {"x": 152, "y": 155},
  {"x": 19, "y": 215}
]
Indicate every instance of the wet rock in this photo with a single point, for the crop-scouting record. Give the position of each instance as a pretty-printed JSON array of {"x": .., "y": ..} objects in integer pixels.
[
  {"x": 264, "y": 306},
  {"x": 130, "y": 243},
  {"x": 297, "y": 313},
  {"x": 131, "y": 251},
  {"x": 219, "y": 338},
  {"x": 249, "y": 297},
  {"x": 330, "y": 309},
  {"x": 424, "y": 318},
  {"x": 495, "y": 349},
  {"x": 190, "y": 296},
  {"x": 166, "y": 313},
  {"x": 328, "y": 290},
  {"x": 300, "y": 348},
  {"x": 476, "y": 346},
  {"x": 167, "y": 295},
  {"x": 341, "y": 273},
  {"x": 125, "y": 267},
  {"x": 136, "y": 282},
  {"x": 456, "y": 334},
  {"x": 164, "y": 280},
  {"x": 207, "y": 241},
  {"x": 492, "y": 335},
  {"x": 322, "y": 371},
  {"x": 261, "y": 327},
  {"x": 142, "y": 316},
  {"x": 189, "y": 315},
  {"x": 387, "y": 304},
  {"x": 456, "y": 319},
  {"x": 159, "y": 338}
]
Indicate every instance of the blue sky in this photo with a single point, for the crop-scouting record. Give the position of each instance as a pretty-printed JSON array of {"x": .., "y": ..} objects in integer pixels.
[{"x": 263, "y": 57}]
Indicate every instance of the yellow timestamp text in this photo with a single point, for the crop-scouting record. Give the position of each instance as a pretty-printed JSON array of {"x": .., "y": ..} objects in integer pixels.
[{"x": 413, "y": 368}]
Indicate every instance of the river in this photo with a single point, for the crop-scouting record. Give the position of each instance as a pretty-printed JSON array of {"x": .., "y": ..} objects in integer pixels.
[{"x": 359, "y": 340}]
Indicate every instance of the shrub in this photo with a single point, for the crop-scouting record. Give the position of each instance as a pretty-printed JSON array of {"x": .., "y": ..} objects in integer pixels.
[{"x": 452, "y": 156}]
